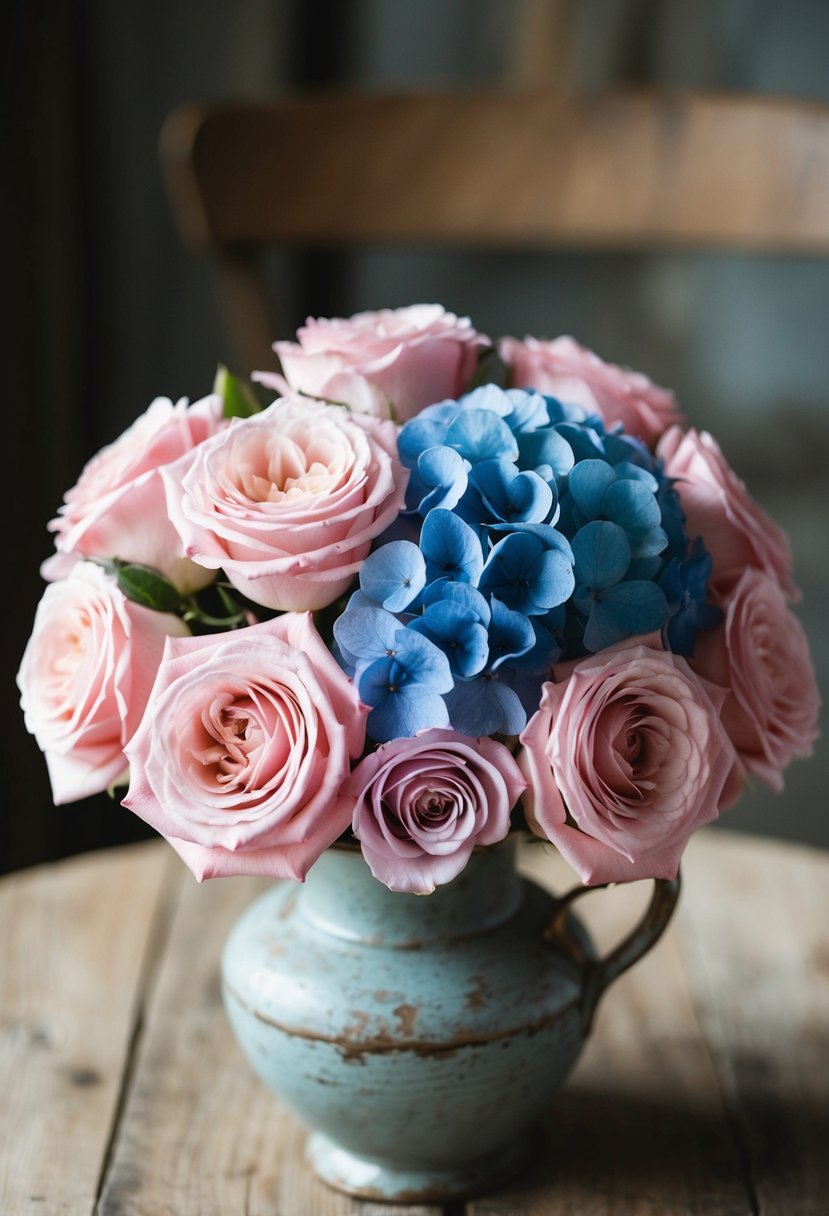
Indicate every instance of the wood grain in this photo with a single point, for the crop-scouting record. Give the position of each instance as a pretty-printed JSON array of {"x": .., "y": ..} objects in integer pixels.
[
  {"x": 755, "y": 942},
  {"x": 200, "y": 1134},
  {"x": 76, "y": 941},
  {"x": 703, "y": 1090},
  {"x": 537, "y": 170},
  {"x": 640, "y": 1129}
]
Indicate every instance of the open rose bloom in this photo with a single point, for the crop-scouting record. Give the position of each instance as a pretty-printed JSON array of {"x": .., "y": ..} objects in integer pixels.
[{"x": 435, "y": 591}]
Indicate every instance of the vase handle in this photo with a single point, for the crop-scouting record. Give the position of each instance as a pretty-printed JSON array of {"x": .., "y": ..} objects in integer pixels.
[{"x": 599, "y": 974}]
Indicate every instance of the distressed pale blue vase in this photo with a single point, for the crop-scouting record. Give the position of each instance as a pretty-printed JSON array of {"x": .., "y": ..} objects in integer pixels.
[{"x": 419, "y": 1037}]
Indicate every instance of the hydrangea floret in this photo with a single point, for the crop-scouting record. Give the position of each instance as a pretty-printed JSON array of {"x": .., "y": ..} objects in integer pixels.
[{"x": 543, "y": 536}]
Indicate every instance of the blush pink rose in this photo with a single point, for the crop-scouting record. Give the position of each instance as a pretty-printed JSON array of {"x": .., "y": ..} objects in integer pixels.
[
  {"x": 287, "y": 502},
  {"x": 86, "y": 675},
  {"x": 390, "y": 363},
  {"x": 241, "y": 755},
  {"x": 421, "y": 805},
  {"x": 576, "y": 376},
  {"x": 737, "y": 532},
  {"x": 761, "y": 655},
  {"x": 119, "y": 508},
  {"x": 625, "y": 759}
]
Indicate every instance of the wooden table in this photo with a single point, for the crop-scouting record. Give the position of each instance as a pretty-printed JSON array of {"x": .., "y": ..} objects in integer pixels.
[{"x": 704, "y": 1087}]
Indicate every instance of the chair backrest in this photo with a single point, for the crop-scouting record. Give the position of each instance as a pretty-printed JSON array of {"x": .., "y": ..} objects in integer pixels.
[{"x": 541, "y": 171}]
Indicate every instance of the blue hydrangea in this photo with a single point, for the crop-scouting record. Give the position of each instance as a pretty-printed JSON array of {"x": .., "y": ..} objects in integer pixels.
[{"x": 531, "y": 534}]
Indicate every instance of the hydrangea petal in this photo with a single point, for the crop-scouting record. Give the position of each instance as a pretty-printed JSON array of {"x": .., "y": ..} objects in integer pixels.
[
  {"x": 601, "y": 554},
  {"x": 510, "y": 634},
  {"x": 486, "y": 706},
  {"x": 404, "y": 712},
  {"x": 624, "y": 611},
  {"x": 458, "y": 593},
  {"x": 481, "y": 435},
  {"x": 450, "y": 547},
  {"x": 510, "y": 495},
  {"x": 365, "y": 633},
  {"x": 419, "y": 434},
  {"x": 441, "y": 471},
  {"x": 394, "y": 575},
  {"x": 588, "y": 483},
  {"x": 457, "y": 631}
]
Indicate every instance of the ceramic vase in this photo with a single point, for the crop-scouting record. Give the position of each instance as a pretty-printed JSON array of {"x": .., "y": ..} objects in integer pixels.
[{"x": 419, "y": 1037}]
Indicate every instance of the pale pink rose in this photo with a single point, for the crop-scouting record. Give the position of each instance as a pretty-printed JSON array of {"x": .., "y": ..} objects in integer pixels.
[
  {"x": 287, "y": 502},
  {"x": 86, "y": 675},
  {"x": 576, "y": 376},
  {"x": 737, "y": 532},
  {"x": 761, "y": 655},
  {"x": 421, "y": 805},
  {"x": 118, "y": 509},
  {"x": 390, "y": 363},
  {"x": 625, "y": 759},
  {"x": 241, "y": 755}
]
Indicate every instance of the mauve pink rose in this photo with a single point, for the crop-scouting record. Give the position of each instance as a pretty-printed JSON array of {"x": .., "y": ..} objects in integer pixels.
[
  {"x": 287, "y": 502},
  {"x": 761, "y": 655},
  {"x": 241, "y": 755},
  {"x": 390, "y": 363},
  {"x": 421, "y": 805},
  {"x": 86, "y": 675},
  {"x": 119, "y": 508},
  {"x": 576, "y": 376},
  {"x": 625, "y": 759},
  {"x": 737, "y": 532}
]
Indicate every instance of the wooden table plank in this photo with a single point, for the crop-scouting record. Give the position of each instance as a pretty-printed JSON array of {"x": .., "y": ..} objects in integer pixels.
[
  {"x": 704, "y": 1088},
  {"x": 200, "y": 1134},
  {"x": 75, "y": 941},
  {"x": 755, "y": 935},
  {"x": 640, "y": 1128}
]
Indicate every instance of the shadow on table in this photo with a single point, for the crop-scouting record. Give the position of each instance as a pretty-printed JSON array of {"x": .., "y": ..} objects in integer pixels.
[{"x": 619, "y": 1144}]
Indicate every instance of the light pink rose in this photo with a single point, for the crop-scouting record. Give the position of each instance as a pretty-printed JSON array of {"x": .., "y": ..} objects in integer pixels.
[
  {"x": 625, "y": 759},
  {"x": 421, "y": 805},
  {"x": 240, "y": 758},
  {"x": 737, "y": 532},
  {"x": 118, "y": 507},
  {"x": 390, "y": 363},
  {"x": 761, "y": 655},
  {"x": 86, "y": 675},
  {"x": 287, "y": 502},
  {"x": 576, "y": 376}
]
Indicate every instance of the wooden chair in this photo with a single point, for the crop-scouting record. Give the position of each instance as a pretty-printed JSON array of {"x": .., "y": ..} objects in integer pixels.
[{"x": 509, "y": 170}]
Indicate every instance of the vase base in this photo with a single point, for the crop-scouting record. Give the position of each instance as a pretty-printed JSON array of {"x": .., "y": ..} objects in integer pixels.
[{"x": 365, "y": 1179}]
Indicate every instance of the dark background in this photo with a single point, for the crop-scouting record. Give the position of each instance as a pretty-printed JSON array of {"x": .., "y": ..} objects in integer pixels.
[{"x": 105, "y": 310}]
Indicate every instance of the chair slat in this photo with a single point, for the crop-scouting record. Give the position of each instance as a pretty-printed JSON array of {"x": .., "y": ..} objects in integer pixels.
[{"x": 509, "y": 170}]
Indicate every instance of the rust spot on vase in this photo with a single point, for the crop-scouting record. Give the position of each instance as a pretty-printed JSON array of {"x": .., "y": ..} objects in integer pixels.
[
  {"x": 355, "y": 1050},
  {"x": 476, "y": 997},
  {"x": 406, "y": 1016}
]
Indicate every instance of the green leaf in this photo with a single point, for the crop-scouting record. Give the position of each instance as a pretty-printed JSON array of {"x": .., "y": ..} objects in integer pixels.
[
  {"x": 490, "y": 369},
  {"x": 146, "y": 586},
  {"x": 238, "y": 398},
  {"x": 231, "y": 606}
]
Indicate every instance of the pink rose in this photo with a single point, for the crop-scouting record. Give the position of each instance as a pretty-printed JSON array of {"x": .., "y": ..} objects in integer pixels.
[
  {"x": 118, "y": 507},
  {"x": 576, "y": 376},
  {"x": 761, "y": 655},
  {"x": 421, "y": 805},
  {"x": 240, "y": 758},
  {"x": 287, "y": 502},
  {"x": 736, "y": 531},
  {"x": 390, "y": 363},
  {"x": 625, "y": 759},
  {"x": 86, "y": 675}
]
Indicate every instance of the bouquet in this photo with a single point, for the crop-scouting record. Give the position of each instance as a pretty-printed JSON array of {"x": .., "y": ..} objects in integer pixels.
[{"x": 440, "y": 589}]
